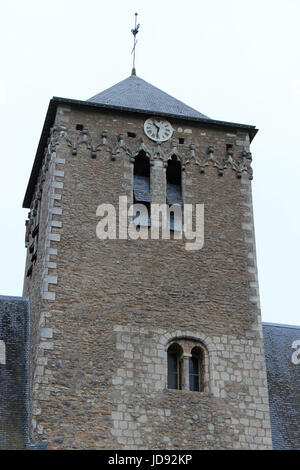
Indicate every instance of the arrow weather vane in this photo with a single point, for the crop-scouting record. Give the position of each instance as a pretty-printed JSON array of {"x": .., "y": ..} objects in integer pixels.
[{"x": 135, "y": 40}]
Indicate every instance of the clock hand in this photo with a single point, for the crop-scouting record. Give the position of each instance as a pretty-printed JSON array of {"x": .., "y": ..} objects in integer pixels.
[{"x": 157, "y": 127}]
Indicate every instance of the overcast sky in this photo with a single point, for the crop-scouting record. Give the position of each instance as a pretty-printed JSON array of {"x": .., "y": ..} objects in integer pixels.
[{"x": 233, "y": 60}]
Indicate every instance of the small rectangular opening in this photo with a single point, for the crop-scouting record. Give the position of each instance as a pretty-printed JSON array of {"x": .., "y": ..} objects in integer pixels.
[
  {"x": 79, "y": 127},
  {"x": 181, "y": 140},
  {"x": 229, "y": 147},
  {"x": 131, "y": 134}
]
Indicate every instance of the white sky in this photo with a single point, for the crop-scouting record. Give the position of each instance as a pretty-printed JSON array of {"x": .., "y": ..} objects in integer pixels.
[{"x": 233, "y": 60}]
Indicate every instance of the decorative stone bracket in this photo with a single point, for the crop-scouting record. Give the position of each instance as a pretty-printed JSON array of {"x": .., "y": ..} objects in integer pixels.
[
  {"x": 240, "y": 164},
  {"x": 159, "y": 151}
]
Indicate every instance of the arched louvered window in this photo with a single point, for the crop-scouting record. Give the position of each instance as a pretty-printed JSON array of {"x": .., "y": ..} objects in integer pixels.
[
  {"x": 174, "y": 367},
  {"x": 174, "y": 190},
  {"x": 141, "y": 187}
]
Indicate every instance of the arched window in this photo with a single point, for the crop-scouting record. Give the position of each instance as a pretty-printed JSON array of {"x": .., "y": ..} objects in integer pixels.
[
  {"x": 141, "y": 185},
  {"x": 196, "y": 370},
  {"x": 174, "y": 366},
  {"x": 174, "y": 190},
  {"x": 188, "y": 365}
]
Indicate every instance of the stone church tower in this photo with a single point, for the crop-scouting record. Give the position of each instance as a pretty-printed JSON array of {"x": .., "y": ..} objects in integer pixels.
[{"x": 142, "y": 343}]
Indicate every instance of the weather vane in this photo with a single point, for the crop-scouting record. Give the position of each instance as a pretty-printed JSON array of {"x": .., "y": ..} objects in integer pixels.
[{"x": 135, "y": 40}]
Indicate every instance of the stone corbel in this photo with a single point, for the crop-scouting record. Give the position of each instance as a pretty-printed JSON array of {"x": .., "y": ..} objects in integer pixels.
[
  {"x": 244, "y": 164},
  {"x": 123, "y": 146},
  {"x": 231, "y": 161},
  {"x": 210, "y": 158},
  {"x": 56, "y": 134},
  {"x": 84, "y": 138},
  {"x": 192, "y": 154},
  {"x": 121, "y": 140},
  {"x": 71, "y": 144},
  {"x": 27, "y": 233},
  {"x": 93, "y": 149},
  {"x": 113, "y": 154},
  {"x": 113, "y": 151},
  {"x": 104, "y": 137},
  {"x": 248, "y": 166},
  {"x": 222, "y": 165}
]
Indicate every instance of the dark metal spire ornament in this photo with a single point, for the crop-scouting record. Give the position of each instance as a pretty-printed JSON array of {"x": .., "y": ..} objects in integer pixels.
[{"x": 135, "y": 40}]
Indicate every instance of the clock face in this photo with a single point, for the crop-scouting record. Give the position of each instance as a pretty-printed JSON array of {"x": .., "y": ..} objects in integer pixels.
[{"x": 158, "y": 130}]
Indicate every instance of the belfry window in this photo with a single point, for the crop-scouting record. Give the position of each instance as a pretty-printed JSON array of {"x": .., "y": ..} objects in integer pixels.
[
  {"x": 174, "y": 191},
  {"x": 174, "y": 367},
  {"x": 141, "y": 187}
]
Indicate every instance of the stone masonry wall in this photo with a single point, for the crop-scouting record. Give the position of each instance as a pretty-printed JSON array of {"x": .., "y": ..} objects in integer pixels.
[{"x": 107, "y": 308}]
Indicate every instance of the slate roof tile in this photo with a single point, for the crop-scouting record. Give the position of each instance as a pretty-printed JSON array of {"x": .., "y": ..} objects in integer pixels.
[
  {"x": 283, "y": 384},
  {"x": 136, "y": 93}
]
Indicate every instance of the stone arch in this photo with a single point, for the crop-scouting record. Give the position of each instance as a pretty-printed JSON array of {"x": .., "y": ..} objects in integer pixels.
[
  {"x": 207, "y": 345},
  {"x": 142, "y": 149},
  {"x": 142, "y": 155},
  {"x": 176, "y": 154}
]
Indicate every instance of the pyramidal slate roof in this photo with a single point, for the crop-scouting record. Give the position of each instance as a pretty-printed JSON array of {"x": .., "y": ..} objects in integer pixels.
[{"x": 134, "y": 93}]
